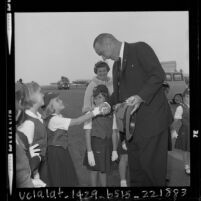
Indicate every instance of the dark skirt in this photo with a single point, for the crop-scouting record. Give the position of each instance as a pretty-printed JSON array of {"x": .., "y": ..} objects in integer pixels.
[
  {"x": 43, "y": 171},
  {"x": 102, "y": 149},
  {"x": 61, "y": 168},
  {"x": 183, "y": 140}
]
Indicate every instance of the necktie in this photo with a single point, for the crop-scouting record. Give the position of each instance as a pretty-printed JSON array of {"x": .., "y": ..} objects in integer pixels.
[
  {"x": 119, "y": 69},
  {"x": 118, "y": 76}
]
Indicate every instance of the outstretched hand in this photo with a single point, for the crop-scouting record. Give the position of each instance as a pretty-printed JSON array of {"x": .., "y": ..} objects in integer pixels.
[{"x": 105, "y": 108}]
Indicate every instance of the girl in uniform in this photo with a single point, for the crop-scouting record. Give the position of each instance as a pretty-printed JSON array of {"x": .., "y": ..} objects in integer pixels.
[
  {"x": 101, "y": 137},
  {"x": 27, "y": 156},
  {"x": 33, "y": 126},
  {"x": 183, "y": 138},
  {"x": 60, "y": 165}
]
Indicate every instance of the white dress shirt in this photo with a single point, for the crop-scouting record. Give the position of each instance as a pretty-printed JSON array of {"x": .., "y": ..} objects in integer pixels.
[
  {"x": 121, "y": 54},
  {"x": 59, "y": 122}
]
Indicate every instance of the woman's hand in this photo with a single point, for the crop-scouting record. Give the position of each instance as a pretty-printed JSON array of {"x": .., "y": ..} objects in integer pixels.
[
  {"x": 34, "y": 150},
  {"x": 91, "y": 159}
]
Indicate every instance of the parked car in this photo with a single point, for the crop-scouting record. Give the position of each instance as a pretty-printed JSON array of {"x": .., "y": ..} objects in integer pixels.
[
  {"x": 63, "y": 85},
  {"x": 174, "y": 86},
  {"x": 81, "y": 83}
]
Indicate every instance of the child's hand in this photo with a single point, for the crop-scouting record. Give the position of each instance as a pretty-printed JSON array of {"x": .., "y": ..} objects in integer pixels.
[
  {"x": 105, "y": 108},
  {"x": 114, "y": 155},
  {"x": 96, "y": 111},
  {"x": 174, "y": 134},
  {"x": 38, "y": 183},
  {"x": 91, "y": 159},
  {"x": 34, "y": 151},
  {"x": 124, "y": 145}
]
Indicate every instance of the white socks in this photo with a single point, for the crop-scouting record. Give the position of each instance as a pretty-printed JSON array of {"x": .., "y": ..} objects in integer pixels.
[{"x": 123, "y": 183}]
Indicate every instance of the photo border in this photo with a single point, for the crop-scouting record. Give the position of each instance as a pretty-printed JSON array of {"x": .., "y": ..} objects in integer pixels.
[{"x": 151, "y": 193}]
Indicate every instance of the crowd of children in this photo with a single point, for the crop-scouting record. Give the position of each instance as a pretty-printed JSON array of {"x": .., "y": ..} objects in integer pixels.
[{"x": 42, "y": 155}]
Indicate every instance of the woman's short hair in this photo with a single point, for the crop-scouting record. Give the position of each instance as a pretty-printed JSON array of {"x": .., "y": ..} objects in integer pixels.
[{"x": 101, "y": 64}]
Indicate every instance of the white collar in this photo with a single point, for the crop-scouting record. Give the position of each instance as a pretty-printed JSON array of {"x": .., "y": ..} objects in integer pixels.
[
  {"x": 121, "y": 54},
  {"x": 36, "y": 116},
  {"x": 96, "y": 80}
]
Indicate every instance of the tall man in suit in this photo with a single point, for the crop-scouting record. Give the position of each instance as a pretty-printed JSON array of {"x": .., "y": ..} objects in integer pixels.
[{"x": 137, "y": 79}]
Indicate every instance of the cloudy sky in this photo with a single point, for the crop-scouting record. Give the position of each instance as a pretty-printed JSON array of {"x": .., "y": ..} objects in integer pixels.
[{"x": 49, "y": 45}]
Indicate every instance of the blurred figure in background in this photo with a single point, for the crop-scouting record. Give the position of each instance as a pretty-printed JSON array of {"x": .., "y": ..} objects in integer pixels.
[{"x": 183, "y": 136}]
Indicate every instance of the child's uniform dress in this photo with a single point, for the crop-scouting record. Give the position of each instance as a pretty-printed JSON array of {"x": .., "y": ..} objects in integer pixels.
[
  {"x": 183, "y": 139},
  {"x": 33, "y": 126},
  {"x": 34, "y": 162},
  {"x": 60, "y": 165},
  {"x": 101, "y": 142}
]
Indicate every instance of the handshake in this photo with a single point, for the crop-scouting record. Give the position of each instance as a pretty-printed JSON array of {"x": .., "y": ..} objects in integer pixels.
[{"x": 103, "y": 108}]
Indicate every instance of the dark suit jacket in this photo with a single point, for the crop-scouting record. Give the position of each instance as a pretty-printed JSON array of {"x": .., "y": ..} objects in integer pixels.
[{"x": 143, "y": 75}]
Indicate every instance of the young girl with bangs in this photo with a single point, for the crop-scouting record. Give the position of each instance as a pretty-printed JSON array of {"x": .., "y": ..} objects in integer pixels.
[
  {"x": 182, "y": 143},
  {"x": 27, "y": 156},
  {"x": 60, "y": 165},
  {"x": 33, "y": 128},
  {"x": 101, "y": 141}
]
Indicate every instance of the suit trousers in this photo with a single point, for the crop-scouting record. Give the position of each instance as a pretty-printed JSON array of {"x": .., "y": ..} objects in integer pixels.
[{"x": 147, "y": 160}]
